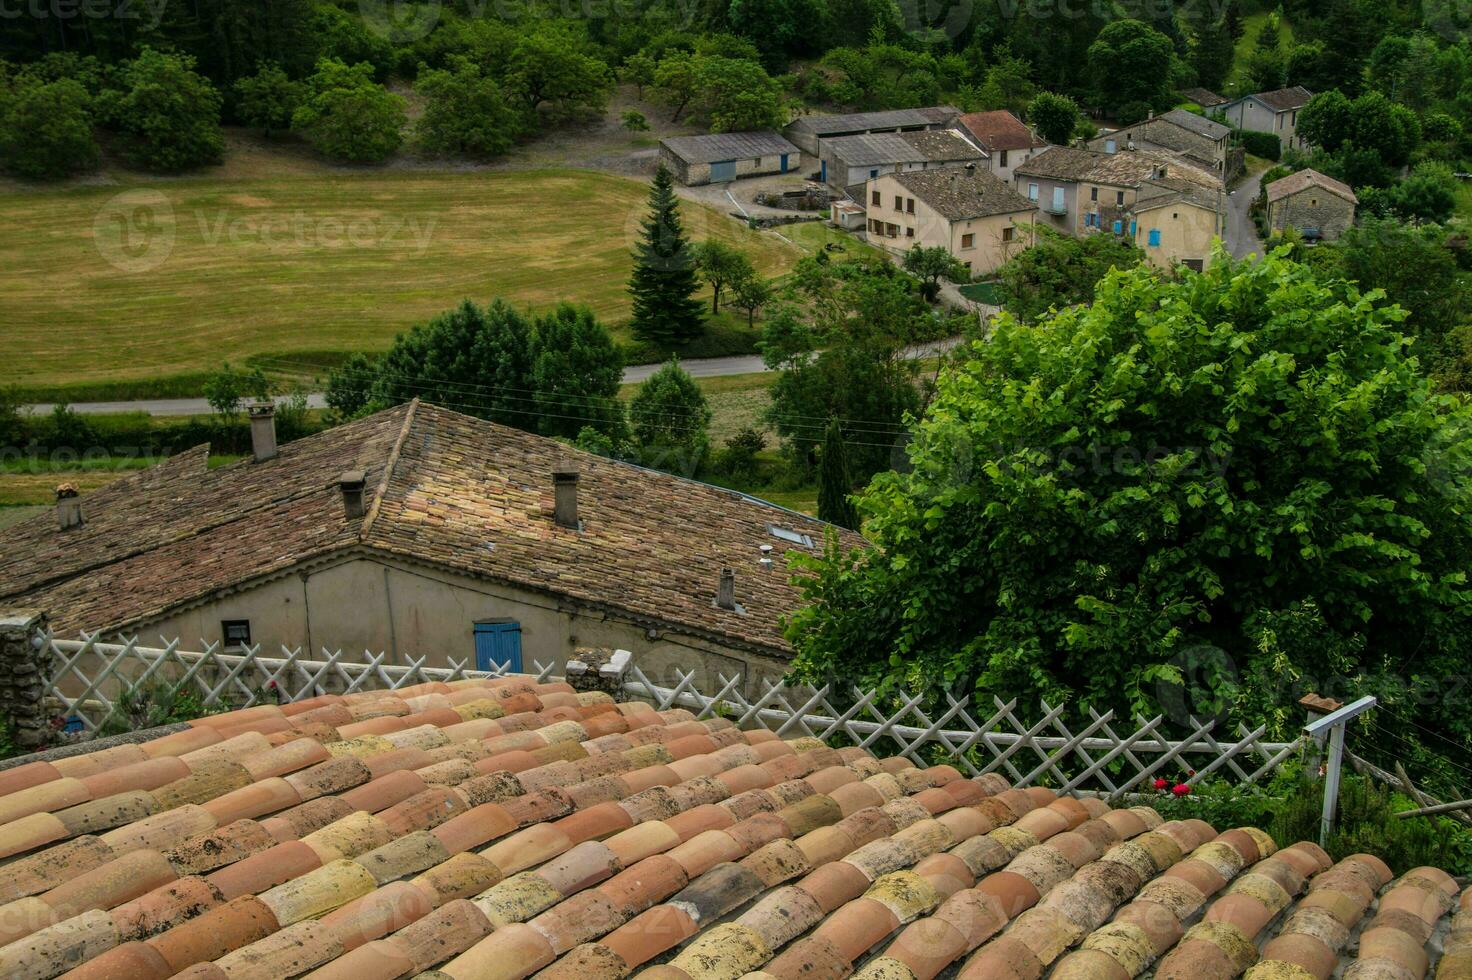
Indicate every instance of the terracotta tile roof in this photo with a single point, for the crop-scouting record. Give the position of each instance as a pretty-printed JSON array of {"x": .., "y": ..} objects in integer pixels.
[
  {"x": 1126, "y": 168},
  {"x": 957, "y": 193},
  {"x": 1000, "y": 130},
  {"x": 508, "y": 829},
  {"x": 1304, "y": 179},
  {"x": 1283, "y": 99},
  {"x": 1205, "y": 98},
  {"x": 443, "y": 488}
]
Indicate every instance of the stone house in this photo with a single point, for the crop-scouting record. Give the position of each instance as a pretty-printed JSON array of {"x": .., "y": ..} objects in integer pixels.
[
  {"x": 1081, "y": 191},
  {"x": 851, "y": 161},
  {"x": 965, "y": 210},
  {"x": 1197, "y": 140},
  {"x": 1270, "y": 112},
  {"x": 1006, "y": 140},
  {"x": 719, "y": 157},
  {"x": 1318, "y": 206},
  {"x": 808, "y": 132},
  {"x": 421, "y": 532}
]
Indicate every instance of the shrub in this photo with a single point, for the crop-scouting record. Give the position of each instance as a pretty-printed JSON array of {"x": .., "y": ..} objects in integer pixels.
[
  {"x": 1265, "y": 145},
  {"x": 738, "y": 458},
  {"x": 46, "y": 129}
]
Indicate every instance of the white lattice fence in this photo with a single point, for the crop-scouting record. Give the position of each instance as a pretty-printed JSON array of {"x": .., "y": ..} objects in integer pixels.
[
  {"x": 91, "y": 678},
  {"x": 1095, "y": 757}
]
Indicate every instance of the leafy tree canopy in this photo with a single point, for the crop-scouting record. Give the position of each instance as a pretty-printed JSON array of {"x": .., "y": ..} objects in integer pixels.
[
  {"x": 347, "y": 115},
  {"x": 1054, "y": 117},
  {"x": 168, "y": 113},
  {"x": 465, "y": 111},
  {"x": 1060, "y": 271},
  {"x": 1233, "y": 483},
  {"x": 46, "y": 128}
]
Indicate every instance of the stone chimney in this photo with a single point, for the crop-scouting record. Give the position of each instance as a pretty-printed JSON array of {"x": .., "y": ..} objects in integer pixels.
[
  {"x": 726, "y": 591},
  {"x": 263, "y": 431},
  {"x": 565, "y": 495},
  {"x": 351, "y": 485},
  {"x": 68, "y": 507}
]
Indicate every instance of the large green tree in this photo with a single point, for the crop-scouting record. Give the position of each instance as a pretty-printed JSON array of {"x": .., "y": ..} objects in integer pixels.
[
  {"x": 1054, "y": 117},
  {"x": 169, "y": 114},
  {"x": 664, "y": 282},
  {"x": 46, "y": 129},
  {"x": 1222, "y": 489},
  {"x": 1060, "y": 271},
  {"x": 465, "y": 111},
  {"x": 347, "y": 115},
  {"x": 1131, "y": 62},
  {"x": 670, "y": 417},
  {"x": 576, "y": 371}
]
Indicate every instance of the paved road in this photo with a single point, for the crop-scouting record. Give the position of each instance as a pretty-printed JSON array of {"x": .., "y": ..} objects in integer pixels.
[
  {"x": 705, "y": 367},
  {"x": 1241, "y": 235}
]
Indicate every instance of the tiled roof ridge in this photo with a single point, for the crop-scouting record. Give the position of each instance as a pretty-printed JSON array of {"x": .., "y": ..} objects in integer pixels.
[{"x": 388, "y": 470}]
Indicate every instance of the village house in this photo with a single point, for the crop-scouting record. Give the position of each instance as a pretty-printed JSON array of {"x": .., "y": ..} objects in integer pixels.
[
  {"x": 848, "y": 162},
  {"x": 1006, "y": 140},
  {"x": 1082, "y": 191},
  {"x": 1320, "y": 207},
  {"x": 1203, "y": 97},
  {"x": 1270, "y": 112},
  {"x": 965, "y": 210},
  {"x": 719, "y": 157},
  {"x": 420, "y": 532},
  {"x": 808, "y": 132},
  {"x": 1176, "y": 222},
  {"x": 1198, "y": 140}
]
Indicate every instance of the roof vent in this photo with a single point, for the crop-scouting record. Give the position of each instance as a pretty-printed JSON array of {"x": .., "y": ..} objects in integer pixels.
[
  {"x": 565, "y": 495},
  {"x": 263, "y": 431},
  {"x": 351, "y": 484},
  {"x": 726, "y": 591},
  {"x": 68, "y": 507}
]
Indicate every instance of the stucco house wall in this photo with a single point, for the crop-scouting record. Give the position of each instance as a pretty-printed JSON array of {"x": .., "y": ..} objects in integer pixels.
[
  {"x": 1003, "y": 162},
  {"x": 1312, "y": 208},
  {"x": 1186, "y": 234},
  {"x": 990, "y": 243},
  {"x": 1040, "y": 190},
  {"x": 380, "y": 604}
]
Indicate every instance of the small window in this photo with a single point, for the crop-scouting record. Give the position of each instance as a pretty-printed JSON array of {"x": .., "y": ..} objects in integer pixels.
[
  {"x": 1119, "y": 198},
  {"x": 236, "y": 632},
  {"x": 794, "y": 537},
  {"x": 1175, "y": 215},
  {"x": 1154, "y": 238},
  {"x": 875, "y": 198},
  {"x": 873, "y": 173},
  {"x": 968, "y": 241},
  {"x": 1007, "y": 233},
  {"x": 1313, "y": 202},
  {"x": 756, "y": 161},
  {"x": 1110, "y": 146},
  {"x": 1002, "y": 161},
  {"x": 1093, "y": 193},
  {"x": 909, "y": 205},
  {"x": 1032, "y": 192},
  {"x": 909, "y": 232}
]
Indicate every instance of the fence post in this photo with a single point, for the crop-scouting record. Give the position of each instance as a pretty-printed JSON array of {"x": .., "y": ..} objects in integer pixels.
[
  {"x": 25, "y": 673},
  {"x": 1333, "y": 724}
]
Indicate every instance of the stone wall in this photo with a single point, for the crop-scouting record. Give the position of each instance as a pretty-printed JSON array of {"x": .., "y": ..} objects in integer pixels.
[
  {"x": 25, "y": 673},
  {"x": 1312, "y": 207}
]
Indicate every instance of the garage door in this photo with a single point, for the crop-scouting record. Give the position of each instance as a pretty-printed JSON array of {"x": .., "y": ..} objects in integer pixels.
[{"x": 725, "y": 170}]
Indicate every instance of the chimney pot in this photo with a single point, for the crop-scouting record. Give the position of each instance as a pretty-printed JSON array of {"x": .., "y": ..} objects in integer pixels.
[
  {"x": 726, "y": 592},
  {"x": 68, "y": 507},
  {"x": 351, "y": 484},
  {"x": 565, "y": 495},
  {"x": 262, "y": 431}
]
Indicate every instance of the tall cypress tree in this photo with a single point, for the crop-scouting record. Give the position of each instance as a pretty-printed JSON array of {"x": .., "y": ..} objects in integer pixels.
[
  {"x": 835, "y": 482},
  {"x": 664, "y": 282}
]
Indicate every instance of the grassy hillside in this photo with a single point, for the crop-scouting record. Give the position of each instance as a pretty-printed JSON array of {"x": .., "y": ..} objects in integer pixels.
[{"x": 164, "y": 280}]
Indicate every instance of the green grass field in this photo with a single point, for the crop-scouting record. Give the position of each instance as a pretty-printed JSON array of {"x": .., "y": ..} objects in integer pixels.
[{"x": 152, "y": 283}]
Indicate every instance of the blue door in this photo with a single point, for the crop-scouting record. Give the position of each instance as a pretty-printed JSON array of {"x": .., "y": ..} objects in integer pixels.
[
  {"x": 823, "y": 171},
  {"x": 784, "y": 163},
  {"x": 498, "y": 645},
  {"x": 723, "y": 170}
]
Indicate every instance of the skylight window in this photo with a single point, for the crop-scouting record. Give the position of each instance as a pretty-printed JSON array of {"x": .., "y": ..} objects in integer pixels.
[{"x": 795, "y": 537}]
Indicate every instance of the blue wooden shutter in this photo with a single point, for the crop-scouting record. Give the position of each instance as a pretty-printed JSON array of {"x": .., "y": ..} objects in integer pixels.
[
  {"x": 496, "y": 645},
  {"x": 1155, "y": 237}
]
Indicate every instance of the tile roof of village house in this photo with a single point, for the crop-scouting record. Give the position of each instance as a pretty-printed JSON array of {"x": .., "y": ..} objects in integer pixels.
[
  {"x": 442, "y": 488},
  {"x": 1197, "y": 124},
  {"x": 957, "y": 193},
  {"x": 1126, "y": 168},
  {"x": 716, "y": 147},
  {"x": 824, "y": 123},
  {"x": 1283, "y": 99},
  {"x": 1000, "y": 130},
  {"x": 502, "y": 829},
  {"x": 1304, "y": 179},
  {"x": 928, "y": 146},
  {"x": 1205, "y": 98}
]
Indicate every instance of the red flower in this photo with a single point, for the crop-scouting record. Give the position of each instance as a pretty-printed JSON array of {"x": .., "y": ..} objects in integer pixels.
[
  {"x": 1162, "y": 783},
  {"x": 1180, "y": 789},
  {"x": 1190, "y": 772}
]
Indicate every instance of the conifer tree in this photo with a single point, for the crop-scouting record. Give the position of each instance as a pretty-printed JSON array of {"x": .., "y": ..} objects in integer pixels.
[
  {"x": 664, "y": 281},
  {"x": 835, "y": 481}
]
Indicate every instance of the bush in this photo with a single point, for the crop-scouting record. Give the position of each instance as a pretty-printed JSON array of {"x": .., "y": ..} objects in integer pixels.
[
  {"x": 738, "y": 458},
  {"x": 46, "y": 130},
  {"x": 1132, "y": 112},
  {"x": 347, "y": 115},
  {"x": 1265, "y": 145},
  {"x": 169, "y": 114},
  {"x": 669, "y": 416}
]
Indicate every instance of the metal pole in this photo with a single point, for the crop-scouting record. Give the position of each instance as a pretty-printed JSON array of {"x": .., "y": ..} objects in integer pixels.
[{"x": 1331, "y": 783}]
